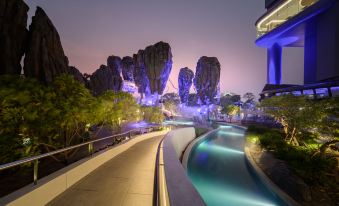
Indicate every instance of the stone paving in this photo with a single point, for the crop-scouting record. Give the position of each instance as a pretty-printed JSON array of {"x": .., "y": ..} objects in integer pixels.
[{"x": 125, "y": 180}]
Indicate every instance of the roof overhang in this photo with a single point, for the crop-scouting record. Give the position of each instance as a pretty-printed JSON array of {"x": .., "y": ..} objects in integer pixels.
[{"x": 292, "y": 32}]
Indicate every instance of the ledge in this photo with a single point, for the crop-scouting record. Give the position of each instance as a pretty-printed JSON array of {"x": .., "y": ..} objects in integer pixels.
[
  {"x": 266, "y": 180},
  {"x": 181, "y": 192}
]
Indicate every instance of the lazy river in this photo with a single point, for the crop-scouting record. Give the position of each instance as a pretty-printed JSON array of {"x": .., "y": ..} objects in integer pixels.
[{"x": 218, "y": 168}]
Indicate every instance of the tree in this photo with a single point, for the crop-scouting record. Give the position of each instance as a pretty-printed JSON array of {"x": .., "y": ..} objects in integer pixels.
[
  {"x": 329, "y": 126},
  {"x": 75, "y": 104},
  {"x": 26, "y": 112},
  {"x": 230, "y": 111},
  {"x": 171, "y": 102},
  {"x": 229, "y": 99},
  {"x": 249, "y": 105},
  {"x": 295, "y": 114},
  {"x": 249, "y": 97},
  {"x": 152, "y": 114},
  {"x": 116, "y": 108}
]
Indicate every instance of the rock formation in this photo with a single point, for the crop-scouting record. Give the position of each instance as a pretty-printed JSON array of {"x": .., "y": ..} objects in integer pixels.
[
  {"x": 127, "y": 68},
  {"x": 77, "y": 75},
  {"x": 45, "y": 58},
  {"x": 114, "y": 62},
  {"x": 104, "y": 79},
  {"x": 13, "y": 33},
  {"x": 158, "y": 65},
  {"x": 152, "y": 68},
  {"x": 207, "y": 79},
  {"x": 185, "y": 82},
  {"x": 140, "y": 78}
]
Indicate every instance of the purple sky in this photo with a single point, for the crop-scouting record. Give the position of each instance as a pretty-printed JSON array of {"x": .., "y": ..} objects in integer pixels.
[{"x": 91, "y": 30}]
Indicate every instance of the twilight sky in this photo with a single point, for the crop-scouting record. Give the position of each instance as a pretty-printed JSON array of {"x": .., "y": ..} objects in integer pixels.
[{"x": 91, "y": 30}]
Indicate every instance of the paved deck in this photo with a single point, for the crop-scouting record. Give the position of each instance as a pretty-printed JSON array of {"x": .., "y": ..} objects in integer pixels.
[{"x": 127, "y": 179}]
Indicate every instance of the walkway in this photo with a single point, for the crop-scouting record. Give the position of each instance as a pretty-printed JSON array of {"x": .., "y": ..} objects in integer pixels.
[{"x": 127, "y": 179}]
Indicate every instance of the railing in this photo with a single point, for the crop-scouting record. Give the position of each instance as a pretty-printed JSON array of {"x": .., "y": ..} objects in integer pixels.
[{"x": 35, "y": 159}]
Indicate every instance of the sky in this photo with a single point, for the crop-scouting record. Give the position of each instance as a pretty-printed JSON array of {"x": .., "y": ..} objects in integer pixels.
[{"x": 92, "y": 30}]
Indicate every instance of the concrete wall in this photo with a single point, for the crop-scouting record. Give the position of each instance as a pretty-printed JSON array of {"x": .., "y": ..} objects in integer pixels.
[
  {"x": 181, "y": 192},
  {"x": 180, "y": 138},
  {"x": 51, "y": 186}
]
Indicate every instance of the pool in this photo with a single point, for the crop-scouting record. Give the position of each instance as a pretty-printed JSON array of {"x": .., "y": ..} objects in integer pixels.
[{"x": 218, "y": 169}]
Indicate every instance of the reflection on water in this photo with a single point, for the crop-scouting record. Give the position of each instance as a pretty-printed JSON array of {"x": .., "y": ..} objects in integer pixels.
[{"x": 218, "y": 169}]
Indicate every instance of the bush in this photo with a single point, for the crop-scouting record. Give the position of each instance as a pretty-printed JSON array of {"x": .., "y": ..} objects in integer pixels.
[
  {"x": 303, "y": 160},
  {"x": 35, "y": 118},
  {"x": 152, "y": 114}
]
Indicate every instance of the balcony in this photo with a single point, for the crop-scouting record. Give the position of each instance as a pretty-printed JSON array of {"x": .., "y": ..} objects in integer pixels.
[{"x": 281, "y": 13}]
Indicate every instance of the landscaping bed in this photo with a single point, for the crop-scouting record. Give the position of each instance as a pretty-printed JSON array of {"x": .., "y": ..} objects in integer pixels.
[{"x": 301, "y": 171}]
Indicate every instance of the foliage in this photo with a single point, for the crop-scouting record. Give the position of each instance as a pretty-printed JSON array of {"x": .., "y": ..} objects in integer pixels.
[
  {"x": 249, "y": 97},
  {"x": 230, "y": 111},
  {"x": 115, "y": 108},
  {"x": 26, "y": 110},
  {"x": 75, "y": 105},
  {"x": 295, "y": 114},
  {"x": 171, "y": 102},
  {"x": 152, "y": 114},
  {"x": 229, "y": 99},
  {"x": 35, "y": 118},
  {"x": 314, "y": 169}
]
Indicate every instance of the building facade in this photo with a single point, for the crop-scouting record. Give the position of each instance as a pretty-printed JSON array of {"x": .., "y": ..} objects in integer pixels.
[{"x": 311, "y": 24}]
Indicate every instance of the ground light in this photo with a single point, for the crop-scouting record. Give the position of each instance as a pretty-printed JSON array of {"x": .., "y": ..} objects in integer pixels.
[{"x": 216, "y": 148}]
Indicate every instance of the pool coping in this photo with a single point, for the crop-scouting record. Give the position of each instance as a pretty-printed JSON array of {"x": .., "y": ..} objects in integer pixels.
[
  {"x": 258, "y": 171},
  {"x": 190, "y": 146},
  {"x": 266, "y": 180},
  {"x": 179, "y": 187}
]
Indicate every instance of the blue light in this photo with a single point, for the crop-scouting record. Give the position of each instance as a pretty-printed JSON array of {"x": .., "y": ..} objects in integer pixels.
[
  {"x": 225, "y": 126},
  {"x": 204, "y": 146},
  {"x": 230, "y": 133}
]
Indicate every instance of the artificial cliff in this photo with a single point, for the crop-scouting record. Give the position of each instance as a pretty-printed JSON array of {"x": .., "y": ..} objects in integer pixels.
[
  {"x": 128, "y": 68},
  {"x": 185, "y": 80},
  {"x": 13, "y": 35},
  {"x": 158, "y": 66},
  {"x": 44, "y": 58},
  {"x": 207, "y": 77}
]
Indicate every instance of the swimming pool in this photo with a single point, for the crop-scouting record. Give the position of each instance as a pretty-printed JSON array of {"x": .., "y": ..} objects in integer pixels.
[{"x": 218, "y": 169}]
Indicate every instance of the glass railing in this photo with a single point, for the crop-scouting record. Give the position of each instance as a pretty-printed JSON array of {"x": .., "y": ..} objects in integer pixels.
[{"x": 280, "y": 14}]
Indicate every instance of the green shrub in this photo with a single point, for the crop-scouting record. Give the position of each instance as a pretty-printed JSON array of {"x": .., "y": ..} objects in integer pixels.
[
  {"x": 303, "y": 160},
  {"x": 152, "y": 114}
]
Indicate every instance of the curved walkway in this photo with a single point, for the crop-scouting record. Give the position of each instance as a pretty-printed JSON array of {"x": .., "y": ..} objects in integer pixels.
[{"x": 127, "y": 179}]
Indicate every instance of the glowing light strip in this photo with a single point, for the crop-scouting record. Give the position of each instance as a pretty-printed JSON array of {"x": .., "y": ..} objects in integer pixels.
[
  {"x": 230, "y": 133},
  {"x": 275, "y": 21},
  {"x": 225, "y": 126},
  {"x": 217, "y": 148},
  {"x": 272, "y": 13}
]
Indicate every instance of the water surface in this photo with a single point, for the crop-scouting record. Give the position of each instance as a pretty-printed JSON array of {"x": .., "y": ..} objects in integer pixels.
[{"x": 219, "y": 171}]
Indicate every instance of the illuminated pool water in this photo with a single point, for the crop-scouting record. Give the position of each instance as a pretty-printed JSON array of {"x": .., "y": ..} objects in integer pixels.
[{"x": 219, "y": 171}]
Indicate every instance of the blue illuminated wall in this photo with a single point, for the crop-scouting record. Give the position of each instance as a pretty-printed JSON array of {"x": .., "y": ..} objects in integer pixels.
[
  {"x": 317, "y": 30},
  {"x": 274, "y": 54}
]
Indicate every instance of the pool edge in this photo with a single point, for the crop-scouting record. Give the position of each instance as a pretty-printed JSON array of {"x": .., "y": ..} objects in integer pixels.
[{"x": 267, "y": 181}]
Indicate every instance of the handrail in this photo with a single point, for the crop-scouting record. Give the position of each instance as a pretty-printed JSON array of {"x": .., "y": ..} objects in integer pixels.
[{"x": 90, "y": 148}]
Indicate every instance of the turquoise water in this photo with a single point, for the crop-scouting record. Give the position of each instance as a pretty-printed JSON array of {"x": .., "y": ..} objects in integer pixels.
[{"x": 218, "y": 169}]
